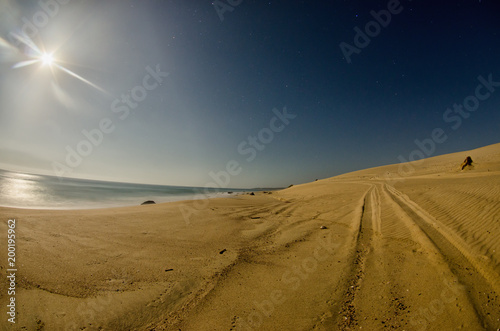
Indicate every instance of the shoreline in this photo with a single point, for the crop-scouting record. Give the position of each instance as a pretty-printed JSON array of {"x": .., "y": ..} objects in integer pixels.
[
  {"x": 31, "y": 191},
  {"x": 78, "y": 206}
]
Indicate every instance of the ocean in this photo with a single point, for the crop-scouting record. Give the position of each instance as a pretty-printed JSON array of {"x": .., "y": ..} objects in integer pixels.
[{"x": 20, "y": 190}]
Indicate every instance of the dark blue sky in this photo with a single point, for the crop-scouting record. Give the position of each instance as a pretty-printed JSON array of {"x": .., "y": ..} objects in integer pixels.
[{"x": 226, "y": 77}]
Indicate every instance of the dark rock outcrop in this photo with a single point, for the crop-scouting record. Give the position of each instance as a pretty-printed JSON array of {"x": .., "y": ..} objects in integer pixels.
[
  {"x": 149, "y": 202},
  {"x": 467, "y": 162}
]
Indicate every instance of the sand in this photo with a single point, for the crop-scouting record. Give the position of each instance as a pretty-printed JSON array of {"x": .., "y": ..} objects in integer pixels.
[{"x": 411, "y": 249}]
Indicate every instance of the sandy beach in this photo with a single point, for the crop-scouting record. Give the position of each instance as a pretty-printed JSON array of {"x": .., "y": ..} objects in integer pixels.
[{"x": 407, "y": 248}]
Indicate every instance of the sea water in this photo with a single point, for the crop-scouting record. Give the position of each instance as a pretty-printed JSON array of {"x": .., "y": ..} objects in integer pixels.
[{"x": 21, "y": 190}]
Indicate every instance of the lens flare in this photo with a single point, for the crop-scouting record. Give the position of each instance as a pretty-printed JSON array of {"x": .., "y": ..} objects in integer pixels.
[{"x": 46, "y": 59}]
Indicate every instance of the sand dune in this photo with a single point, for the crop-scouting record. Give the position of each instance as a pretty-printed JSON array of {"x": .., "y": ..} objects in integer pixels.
[{"x": 411, "y": 247}]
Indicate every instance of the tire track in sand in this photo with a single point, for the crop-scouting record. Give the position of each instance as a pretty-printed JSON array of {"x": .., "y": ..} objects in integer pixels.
[
  {"x": 369, "y": 222},
  {"x": 481, "y": 281},
  {"x": 366, "y": 297}
]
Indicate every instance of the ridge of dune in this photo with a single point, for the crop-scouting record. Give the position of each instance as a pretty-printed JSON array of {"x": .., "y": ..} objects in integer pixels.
[
  {"x": 485, "y": 159},
  {"x": 371, "y": 249}
]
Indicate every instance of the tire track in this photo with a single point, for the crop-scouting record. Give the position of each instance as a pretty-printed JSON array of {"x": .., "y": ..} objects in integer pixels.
[
  {"x": 348, "y": 316},
  {"x": 481, "y": 282},
  {"x": 376, "y": 218},
  {"x": 379, "y": 292}
]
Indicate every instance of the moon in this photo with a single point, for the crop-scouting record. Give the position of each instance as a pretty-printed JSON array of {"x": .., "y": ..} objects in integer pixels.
[{"x": 47, "y": 59}]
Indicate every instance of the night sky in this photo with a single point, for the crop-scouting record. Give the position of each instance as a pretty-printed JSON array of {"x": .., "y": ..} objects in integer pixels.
[{"x": 177, "y": 90}]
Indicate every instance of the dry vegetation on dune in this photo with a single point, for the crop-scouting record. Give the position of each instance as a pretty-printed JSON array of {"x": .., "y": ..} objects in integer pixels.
[{"x": 417, "y": 252}]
